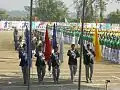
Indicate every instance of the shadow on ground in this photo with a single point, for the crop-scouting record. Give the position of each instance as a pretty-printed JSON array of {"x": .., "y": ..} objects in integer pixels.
[{"x": 16, "y": 83}]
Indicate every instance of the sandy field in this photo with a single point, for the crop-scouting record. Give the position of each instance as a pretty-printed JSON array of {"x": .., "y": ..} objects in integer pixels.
[{"x": 11, "y": 76}]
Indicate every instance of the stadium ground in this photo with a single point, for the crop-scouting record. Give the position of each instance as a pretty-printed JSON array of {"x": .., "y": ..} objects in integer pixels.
[{"x": 11, "y": 77}]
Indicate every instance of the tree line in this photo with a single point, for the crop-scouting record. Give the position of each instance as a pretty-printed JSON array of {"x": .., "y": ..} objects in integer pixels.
[{"x": 56, "y": 10}]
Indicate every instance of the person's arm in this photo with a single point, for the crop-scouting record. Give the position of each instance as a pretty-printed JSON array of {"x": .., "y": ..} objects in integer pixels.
[
  {"x": 20, "y": 54},
  {"x": 36, "y": 54},
  {"x": 52, "y": 57},
  {"x": 92, "y": 52},
  {"x": 68, "y": 53},
  {"x": 77, "y": 54}
]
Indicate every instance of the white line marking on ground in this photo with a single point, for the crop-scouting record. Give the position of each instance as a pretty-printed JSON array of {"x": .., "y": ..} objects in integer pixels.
[
  {"x": 116, "y": 77},
  {"x": 60, "y": 85},
  {"x": 100, "y": 84},
  {"x": 53, "y": 85}
]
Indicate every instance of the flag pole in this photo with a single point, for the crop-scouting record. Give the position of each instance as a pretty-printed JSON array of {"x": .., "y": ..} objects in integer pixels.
[
  {"x": 81, "y": 44},
  {"x": 30, "y": 53}
]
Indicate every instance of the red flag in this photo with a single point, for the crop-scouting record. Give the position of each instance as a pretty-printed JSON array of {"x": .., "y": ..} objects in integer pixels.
[
  {"x": 48, "y": 47},
  {"x": 96, "y": 22}
]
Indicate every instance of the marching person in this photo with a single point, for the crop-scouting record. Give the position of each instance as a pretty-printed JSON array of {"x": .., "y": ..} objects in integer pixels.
[
  {"x": 33, "y": 43},
  {"x": 49, "y": 67},
  {"x": 49, "y": 63},
  {"x": 55, "y": 65},
  {"x": 73, "y": 55},
  {"x": 40, "y": 64},
  {"x": 24, "y": 63},
  {"x": 16, "y": 38},
  {"x": 88, "y": 56}
]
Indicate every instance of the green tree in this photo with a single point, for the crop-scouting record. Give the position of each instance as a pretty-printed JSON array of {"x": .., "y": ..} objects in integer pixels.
[
  {"x": 114, "y": 17},
  {"x": 3, "y": 15},
  {"x": 50, "y": 10},
  {"x": 102, "y": 7},
  {"x": 91, "y": 9}
]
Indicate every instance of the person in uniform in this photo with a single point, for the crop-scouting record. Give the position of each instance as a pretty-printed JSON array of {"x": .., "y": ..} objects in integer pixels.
[
  {"x": 40, "y": 64},
  {"x": 55, "y": 65},
  {"x": 33, "y": 43},
  {"x": 88, "y": 56},
  {"x": 72, "y": 62},
  {"x": 16, "y": 38},
  {"x": 24, "y": 63}
]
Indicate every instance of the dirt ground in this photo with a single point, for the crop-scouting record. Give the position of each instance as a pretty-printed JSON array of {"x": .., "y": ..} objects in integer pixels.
[{"x": 11, "y": 76}]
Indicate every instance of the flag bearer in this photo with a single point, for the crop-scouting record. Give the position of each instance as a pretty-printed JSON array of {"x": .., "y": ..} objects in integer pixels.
[
  {"x": 40, "y": 64},
  {"x": 73, "y": 55},
  {"x": 55, "y": 65},
  {"x": 16, "y": 38},
  {"x": 24, "y": 63},
  {"x": 88, "y": 56}
]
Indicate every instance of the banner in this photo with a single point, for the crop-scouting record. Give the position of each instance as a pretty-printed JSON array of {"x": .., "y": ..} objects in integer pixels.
[{"x": 42, "y": 25}]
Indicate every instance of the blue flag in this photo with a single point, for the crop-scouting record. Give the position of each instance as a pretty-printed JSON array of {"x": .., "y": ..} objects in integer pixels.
[
  {"x": 54, "y": 41},
  {"x": 27, "y": 41}
]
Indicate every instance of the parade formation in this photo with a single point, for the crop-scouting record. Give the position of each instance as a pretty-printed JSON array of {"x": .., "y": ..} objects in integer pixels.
[
  {"x": 109, "y": 42},
  {"x": 58, "y": 46}
]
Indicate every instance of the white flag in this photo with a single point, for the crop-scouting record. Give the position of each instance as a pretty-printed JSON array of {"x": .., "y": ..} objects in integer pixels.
[
  {"x": 61, "y": 47},
  {"x": 66, "y": 20},
  {"x": 73, "y": 39}
]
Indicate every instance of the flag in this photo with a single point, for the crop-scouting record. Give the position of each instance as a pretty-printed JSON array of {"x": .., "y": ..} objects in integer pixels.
[
  {"x": 66, "y": 21},
  {"x": 96, "y": 32},
  {"x": 48, "y": 48},
  {"x": 73, "y": 38},
  {"x": 80, "y": 21},
  {"x": 61, "y": 46},
  {"x": 98, "y": 54},
  {"x": 54, "y": 41},
  {"x": 27, "y": 42},
  {"x": 27, "y": 39},
  {"x": 96, "y": 23}
]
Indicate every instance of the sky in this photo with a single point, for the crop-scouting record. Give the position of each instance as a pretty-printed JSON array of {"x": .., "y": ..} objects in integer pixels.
[{"x": 19, "y": 5}]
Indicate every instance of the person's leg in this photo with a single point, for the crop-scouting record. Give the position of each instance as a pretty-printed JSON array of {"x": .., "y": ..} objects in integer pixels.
[
  {"x": 43, "y": 72},
  {"x": 74, "y": 71},
  {"x": 54, "y": 74},
  {"x": 91, "y": 72},
  {"x": 49, "y": 67},
  {"x": 23, "y": 72},
  {"x": 71, "y": 72},
  {"x": 87, "y": 72},
  {"x": 26, "y": 74},
  {"x": 58, "y": 73},
  {"x": 38, "y": 73},
  {"x": 15, "y": 45}
]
